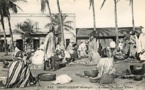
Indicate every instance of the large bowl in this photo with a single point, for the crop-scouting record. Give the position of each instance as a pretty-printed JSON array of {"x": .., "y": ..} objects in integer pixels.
[
  {"x": 137, "y": 69},
  {"x": 138, "y": 78},
  {"x": 94, "y": 80},
  {"x": 46, "y": 77},
  {"x": 91, "y": 73}
]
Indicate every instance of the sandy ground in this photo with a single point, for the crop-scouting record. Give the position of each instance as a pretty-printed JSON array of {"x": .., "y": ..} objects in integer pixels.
[{"x": 80, "y": 83}]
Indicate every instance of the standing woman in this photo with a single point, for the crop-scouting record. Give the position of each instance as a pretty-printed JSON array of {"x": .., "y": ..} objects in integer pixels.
[
  {"x": 93, "y": 48},
  {"x": 49, "y": 46}
]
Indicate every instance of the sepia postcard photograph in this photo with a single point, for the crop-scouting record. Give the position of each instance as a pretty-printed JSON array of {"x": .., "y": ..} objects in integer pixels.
[{"x": 72, "y": 45}]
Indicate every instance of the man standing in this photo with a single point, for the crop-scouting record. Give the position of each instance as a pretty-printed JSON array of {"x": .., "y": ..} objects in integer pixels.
[
  {"x": 49, "y": 45},
  {"x": 141, "y": 46}
]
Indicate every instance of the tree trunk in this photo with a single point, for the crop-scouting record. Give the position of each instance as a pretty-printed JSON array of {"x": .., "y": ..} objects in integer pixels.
[
  {"x": 116, "y": 21},
  {"x": 132, "y": 11},
  {"x": 49, "y": 11},
  {"x": 3, "y": 26},
  {"x": 62, "y": 42},
  {"x": 94, "y": 17},
  {"x": 11, "y": 33}
]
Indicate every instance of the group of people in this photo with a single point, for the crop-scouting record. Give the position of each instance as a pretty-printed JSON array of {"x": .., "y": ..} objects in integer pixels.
[
  {"x": 51, "y": 54},
  {"x": 131, "y": 46}
]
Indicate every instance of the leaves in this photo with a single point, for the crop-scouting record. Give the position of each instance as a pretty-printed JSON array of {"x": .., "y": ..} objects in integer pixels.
[
  {"x": 56, "y": 22},
  {"x": 91, "y": 2},
  {"x": 43, "y": 5},
  {"x": 102, "y": 4}
]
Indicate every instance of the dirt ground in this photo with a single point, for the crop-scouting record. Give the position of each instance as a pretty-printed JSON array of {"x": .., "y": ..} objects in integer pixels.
[{"x": 82, "y": 83}]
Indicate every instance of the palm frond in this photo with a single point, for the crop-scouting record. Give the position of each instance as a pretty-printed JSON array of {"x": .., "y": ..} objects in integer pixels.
[
  {"x": 130, "y": 2},
  {"x": 18, "y": 31},
  {"x": 69, "y": 27},
  {"x": 91, "y": 2},
  {"x": 70, "y": 31},
  {"x": 102, "y": 4},
  {"x": 64, "y": 16},
  {"x": 118, "y": 1},
  {"x": 43, "y": 5},
  {"x": 18, "y": 0},
  {"x": 47, "y": 25},
  {"x": 68, "y": 22}
]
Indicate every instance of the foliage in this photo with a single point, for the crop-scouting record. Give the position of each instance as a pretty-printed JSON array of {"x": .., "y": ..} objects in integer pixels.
[
  {"x": 25, "y": 28},
  {"x": 56, "y": 23}
]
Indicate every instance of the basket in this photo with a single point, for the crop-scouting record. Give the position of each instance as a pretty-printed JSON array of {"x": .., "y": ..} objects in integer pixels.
[
  {"x": 91, "y": 73},
  {"x": 46, "y": 77}
]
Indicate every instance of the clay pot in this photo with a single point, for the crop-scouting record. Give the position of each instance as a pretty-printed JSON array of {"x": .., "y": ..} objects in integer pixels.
[
  {"x": 91, "y": 73},
  {"x": 137, "y": 69},
  {"x": 138, "y": 78},
  {"x": 46, "y": 77}
]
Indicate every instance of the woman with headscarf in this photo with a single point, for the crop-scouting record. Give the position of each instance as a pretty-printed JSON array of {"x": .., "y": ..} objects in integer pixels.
[{"x": 19, "y": 74}]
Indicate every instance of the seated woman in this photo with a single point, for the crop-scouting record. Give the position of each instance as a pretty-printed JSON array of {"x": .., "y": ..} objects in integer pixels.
[
  {"x": 19, "y": 74},
  {"x": 105, "y": 64},
  {"x": 119, "y": 54}
]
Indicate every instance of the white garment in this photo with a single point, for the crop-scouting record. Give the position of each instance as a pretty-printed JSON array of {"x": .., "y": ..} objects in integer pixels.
[
  {"x": 82, "y": 50},
  {"x": 142, "y": 56},
  {"x": 62, "y": 79},
  {"x": 70, "y": 48},
  {"x": 49, "y": 45},
  {"x": 38, "y": 57},
  {"x": 41, "y": 46},
  {"x": 105, "y": 66},
  {"x": 120, "y": 45},
  {"x": 67, "y": 55},
  {"x": 15, "y": 52},
  {"x": 141, "y": 43},
  {"x": 112, "y": 44}
]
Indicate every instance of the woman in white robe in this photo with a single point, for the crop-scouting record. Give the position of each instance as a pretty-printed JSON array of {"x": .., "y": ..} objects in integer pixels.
[
  {"x": 49, "y": 44},
  {"x": 141, "y": 45}
]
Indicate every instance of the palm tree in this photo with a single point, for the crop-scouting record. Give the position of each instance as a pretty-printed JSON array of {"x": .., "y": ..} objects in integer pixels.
[
  {"x": 56, "y": 23},
  {"x": 62, "y": 42},
  {"x": 43, "y": 6},
  {"x": 5, "y": 6},
  {"x": 132, "y": 11},
  {"x": 93, "y": 10},
  {"x": 2, "y": 23},
  {"x": 116, "y": 18},
  {"x": 25, "y": 29}
]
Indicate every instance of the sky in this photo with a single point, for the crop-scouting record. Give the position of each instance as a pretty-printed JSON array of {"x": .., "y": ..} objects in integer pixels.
[{"x": 84, "y": 17}]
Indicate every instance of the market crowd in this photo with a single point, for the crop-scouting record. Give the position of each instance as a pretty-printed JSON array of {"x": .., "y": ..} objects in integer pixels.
[{"x": 51, "y": 55}]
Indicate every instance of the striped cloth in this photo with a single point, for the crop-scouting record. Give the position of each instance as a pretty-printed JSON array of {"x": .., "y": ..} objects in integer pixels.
[{"x": 18, "y": 75}]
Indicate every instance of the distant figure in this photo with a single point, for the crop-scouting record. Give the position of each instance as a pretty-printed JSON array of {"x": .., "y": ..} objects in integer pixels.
[
  {"x": 42, "y": 46},
  {"x": 49, "y": 46},
  {"x": 119, "y": 54},
  {"x": 82, "y": 50},
  {"x": 132, "y": 43},
  {"x": 112, "y": 45},
  {"x": 141, "y": 45},
  {"x": 93, "y": 48}
]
